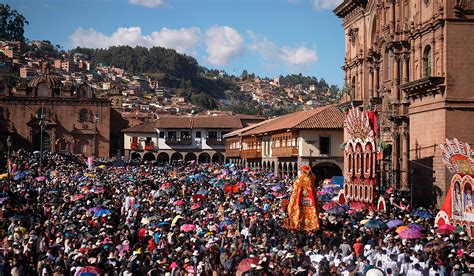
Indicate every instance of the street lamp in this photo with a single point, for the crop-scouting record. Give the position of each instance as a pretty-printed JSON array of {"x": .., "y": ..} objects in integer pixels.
[
  {"x": 42, "y": 123},
  {"x": 9, "y": 145},
  {"x": 96, "y": 120}
]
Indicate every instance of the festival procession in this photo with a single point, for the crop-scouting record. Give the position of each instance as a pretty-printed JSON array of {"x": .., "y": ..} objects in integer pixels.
[{"x": 66, "y": 214}]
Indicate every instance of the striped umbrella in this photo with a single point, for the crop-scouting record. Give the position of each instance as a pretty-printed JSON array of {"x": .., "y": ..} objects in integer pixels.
[{"x": 88, "y": 271}]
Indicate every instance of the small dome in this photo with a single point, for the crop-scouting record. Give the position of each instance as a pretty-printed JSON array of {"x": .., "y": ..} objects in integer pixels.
[{"x": 52, "y": 81}]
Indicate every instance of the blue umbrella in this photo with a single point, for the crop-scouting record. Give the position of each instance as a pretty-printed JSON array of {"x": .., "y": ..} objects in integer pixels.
[
  {"x": 228, "y": 164},
  {"x": 226, "y": 222},
  {"x": 375, "y": 224},
  {"x": 202, "y": 192},
  {"x": 21, "y": 175},
  {"x": 394, "y": 223},
  {"x": 422, "y": 213},
  {"x": 102, "y": 212},
  {"x": 336, "y": 210},
  {"x": 163, "y": 223}
]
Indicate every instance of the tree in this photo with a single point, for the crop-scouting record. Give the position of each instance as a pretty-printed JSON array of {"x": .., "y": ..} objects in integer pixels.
[{"x": 12, "y": 24}]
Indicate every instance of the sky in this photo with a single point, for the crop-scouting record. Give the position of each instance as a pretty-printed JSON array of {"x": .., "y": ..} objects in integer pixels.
[{"x": 265, "y": 37}]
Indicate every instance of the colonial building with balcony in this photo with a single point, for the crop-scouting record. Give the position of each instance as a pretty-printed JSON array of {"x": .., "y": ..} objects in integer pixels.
[
  {"x": 313, "y": 137},
  {"x": 189, "y": 138},
  {"x": 409, "y": 62}
]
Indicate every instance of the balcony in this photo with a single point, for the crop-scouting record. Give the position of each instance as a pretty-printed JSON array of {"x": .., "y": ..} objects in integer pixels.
[
  {"x": 285, "y": 152},
  {"x": 251, "y": 154},
  {"x": 135, "y": 146},
  {"x": 215, "y": 141},
  {"x": 178, "y": 141},
  {"x": 149, "y": 146},
  {"x": 428, "y": 86},
  {"x": 232, "y": 152}
]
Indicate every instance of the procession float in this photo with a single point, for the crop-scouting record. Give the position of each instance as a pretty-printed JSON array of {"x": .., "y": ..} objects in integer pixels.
[
  {"x": 457, "y": 208},
  {"x": 361, "y": 157}
]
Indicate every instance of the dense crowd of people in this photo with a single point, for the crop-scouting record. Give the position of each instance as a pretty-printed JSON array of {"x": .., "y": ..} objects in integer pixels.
[{"x": 66, "y": 218}]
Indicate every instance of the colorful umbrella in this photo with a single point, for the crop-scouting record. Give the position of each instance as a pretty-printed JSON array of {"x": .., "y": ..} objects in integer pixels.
[
  {"x": 179, "y": 202},
  {"x": 416, "y": 226},
  {"x": 434, "y": 246},
  {"x": 394, "y": 223},
  {"x": 225, "y": 223},
  {"x": 77, "y": 197},
  {"x": 448, "y": 227},
  {"x": 401, "y": 228},
  {"x": 245, "y": 265},
  {"x": 330, "y": 205},
  {"x": 195, "y": 206},
  {"x": 94, "y": 210},
  {"x": 102, "y": 212},
  {"x": 444, "y": 231},
  {"x": 358, "y": 205},
  {"x": 163, "y": 224},
  {"x": 410, "y": 234},
  {"x": 422, "y": 213},
  {"x": 88, "y": 271},
  {"x": 336, "y": 210},
  {"x": 40, "y": 178},
  {"x": 375, "y": 224},
  {"x": 364, "y": 221},
  {"x": 188, "y": 227}
]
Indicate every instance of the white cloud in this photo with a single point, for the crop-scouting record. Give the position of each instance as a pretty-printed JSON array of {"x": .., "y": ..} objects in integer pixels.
[
  {"x": 298, "y": 56},
  {"x": 148, "y": 3},
  {"x": 291, "y": 56},
  {"x": 182, "y": 40},
  {"x": 222, "y": 44},
  {"x": 325, "y": 4}
]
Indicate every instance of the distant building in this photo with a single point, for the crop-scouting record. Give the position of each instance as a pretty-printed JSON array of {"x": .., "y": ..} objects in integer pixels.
[
  {"x": 27, "y": 73},
  {"x": 171, "y": 138},
  {"x": 282, "y": 144}
]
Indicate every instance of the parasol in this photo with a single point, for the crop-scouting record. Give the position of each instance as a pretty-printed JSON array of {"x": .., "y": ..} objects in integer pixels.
[
  {"x": 88, "y": 271},
  {"x": 394, "y": 223},
  {"x": 246, "y": 265},
  {"x": 188, "y": 227},
  {"x": 375, "y": 224},
  {"x": 422, "y": 213},
  {"x": 102, "y": 212},
  {"x": 401, "y": 228},
  {"x": 410, "y": 233},
  {"x": 434, "y": 246}
]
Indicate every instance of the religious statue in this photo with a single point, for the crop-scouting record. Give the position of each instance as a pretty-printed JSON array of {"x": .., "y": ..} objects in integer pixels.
[{"x": 302, "y": 207}]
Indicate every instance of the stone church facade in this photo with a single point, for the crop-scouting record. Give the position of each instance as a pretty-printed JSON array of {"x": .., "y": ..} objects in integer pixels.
[
  {"x": 59, "y": 115},
  {"x": 412, "y": 62}
]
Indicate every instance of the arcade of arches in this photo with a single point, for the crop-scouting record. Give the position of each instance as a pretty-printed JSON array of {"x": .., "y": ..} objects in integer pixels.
[{"x": 166, "y": 157}]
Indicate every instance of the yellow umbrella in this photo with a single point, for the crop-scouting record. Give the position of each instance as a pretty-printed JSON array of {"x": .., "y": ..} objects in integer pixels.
[
  {"x": 102, "y": 166},
  {"x": 401, "y": 228},
  {"x": 364, "y": 221},
  {"x": 176, "y": 219}
]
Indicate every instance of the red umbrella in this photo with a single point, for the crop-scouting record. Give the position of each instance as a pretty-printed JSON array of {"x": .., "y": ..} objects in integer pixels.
[
  {"x": 188, "y": 227},
  {"x": 444, "y": 231},
  {"x": 195, "y": 206},
  {"x": 178, "y": 202},
  {"x": 448, "y": 227},
  {"x": 246, "y": 264},
  {"x": 330, "y": 205},
  {"x": 356, "y": 205},
  {"x": 77, "y": 197}
]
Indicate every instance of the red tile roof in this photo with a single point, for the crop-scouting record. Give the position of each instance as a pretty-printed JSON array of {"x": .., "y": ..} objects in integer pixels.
[
  {"x": 326, "y": 117},
  {"x": 187, "y": 122}
]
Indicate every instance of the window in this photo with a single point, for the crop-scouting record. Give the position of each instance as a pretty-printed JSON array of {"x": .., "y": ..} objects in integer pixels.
[
  {"x": 83, "y": 115},
  {"x": 148, "y": 141},
  {"x": 43, "y": 90},
  {"x": 388, "y": 64},
  {"x": 198, "y": 134},
  {"x": 427, "y": 61},
  {"x": 324, "y": 143},
  {"x": 185, "y": 134},
  {"x": 162, "y": 134},
  {"x": 172, "y": 135},
  {"x": 212, "y": 134}
]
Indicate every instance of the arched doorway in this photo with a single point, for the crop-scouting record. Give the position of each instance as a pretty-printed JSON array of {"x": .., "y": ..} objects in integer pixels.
[
  {"x": 204, "y": 158},
  {"x": 148, "y": 156},
  {"x": 135, "y": 156},
  {"x": 176, "y": 156},
  {"x": 217, "y": 158},
  {"x": 163, "y": 158},
  {"x": 46, "y": 141},
  {"x": 83, "y": 147},
  {"x": 190, "y": 157},
  {"x": 326, "y": 170}
]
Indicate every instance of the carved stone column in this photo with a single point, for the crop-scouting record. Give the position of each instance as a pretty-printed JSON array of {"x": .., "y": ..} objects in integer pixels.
[{"x": 405, "y": 172}]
